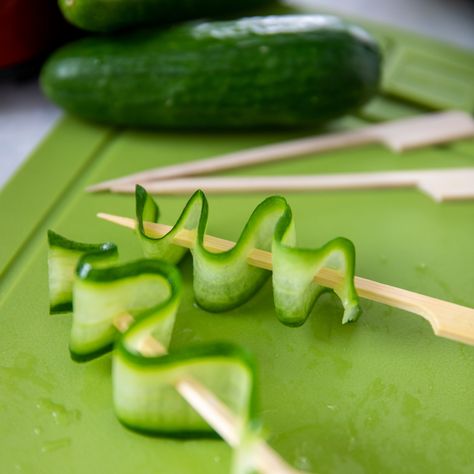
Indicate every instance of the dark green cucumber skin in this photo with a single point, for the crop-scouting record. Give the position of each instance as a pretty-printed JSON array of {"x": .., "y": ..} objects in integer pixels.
[
  {"x": 106, "y": 15},
  {"x": 281, "y": 71}
]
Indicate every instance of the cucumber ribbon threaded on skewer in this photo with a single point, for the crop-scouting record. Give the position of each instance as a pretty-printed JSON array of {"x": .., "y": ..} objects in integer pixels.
[
  {"x": 85, "y": 278},
  {"x": 225, "y": 280},
  {"x": 148, "y": 292}
]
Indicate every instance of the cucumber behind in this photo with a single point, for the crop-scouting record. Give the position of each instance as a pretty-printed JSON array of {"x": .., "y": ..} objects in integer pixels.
[
  {"x": 107, "y": 16},
  {"x": 261, "y": 72}
]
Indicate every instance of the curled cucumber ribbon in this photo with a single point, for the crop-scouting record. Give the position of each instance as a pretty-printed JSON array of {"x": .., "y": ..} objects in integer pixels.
[{"x": 87, "y": 279}]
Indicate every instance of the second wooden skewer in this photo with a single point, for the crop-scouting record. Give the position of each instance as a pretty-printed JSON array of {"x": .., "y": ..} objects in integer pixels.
[
  {"x": 440, "y": 184},
  {"x": 398, "y": 135}
]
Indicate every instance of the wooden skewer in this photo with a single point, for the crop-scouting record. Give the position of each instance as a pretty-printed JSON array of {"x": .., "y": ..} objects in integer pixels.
[
  {"x": 447, "y": 319},
  {"x": 441, "y": 185},
  {"x": 216, "y": 413},
  {"x": 398, "y": 135}
]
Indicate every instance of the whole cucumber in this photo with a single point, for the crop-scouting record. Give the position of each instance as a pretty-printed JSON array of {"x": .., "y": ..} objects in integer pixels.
[
  {"x": 285, "y": 71},
  {"x": 107, "y": 15}
]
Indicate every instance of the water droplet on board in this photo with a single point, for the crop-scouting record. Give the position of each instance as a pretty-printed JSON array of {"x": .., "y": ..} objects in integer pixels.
[
  {"x": 18, "y": 467},
  {"x": 301, "y": 460},
  {"x": 25, "y": 374},
  {"x": 60, "y": 414},
  {"x": 37, "y": 430},
  {"x": 55, "y": 444},
  {"x": 303, "y": 463},
  {"x": 449, "y": 293},
  {"x": 421, "y": 267}
]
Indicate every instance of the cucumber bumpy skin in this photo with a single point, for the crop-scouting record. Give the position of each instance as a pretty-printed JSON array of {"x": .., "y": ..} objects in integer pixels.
[
  {"x": 106, "y": 16},
  {"x": 277, "y": 71}
]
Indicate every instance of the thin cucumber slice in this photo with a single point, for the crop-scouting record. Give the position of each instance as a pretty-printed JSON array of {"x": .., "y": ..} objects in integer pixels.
[
  {"x": 145, "y": 398},
  {"x": 147, "y": 290},
  {"x": 82, "y": 278},
  {"x": 63, "y": 257},
  {"x": 294, "y": 290},
  {"x": 144, "y": 395},
  {"x": 162, "y": 247},
  {"x": 223, "y": 281}
]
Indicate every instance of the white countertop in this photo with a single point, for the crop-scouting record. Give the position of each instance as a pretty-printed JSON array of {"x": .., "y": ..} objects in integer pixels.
[{"x": 26, "y": 116}]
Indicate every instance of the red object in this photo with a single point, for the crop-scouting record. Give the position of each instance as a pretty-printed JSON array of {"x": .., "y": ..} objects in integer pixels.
[{"x": 28, "y": 28}]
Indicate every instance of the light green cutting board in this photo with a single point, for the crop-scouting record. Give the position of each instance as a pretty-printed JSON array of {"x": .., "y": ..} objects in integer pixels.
[{"x": 381, "y": 395}]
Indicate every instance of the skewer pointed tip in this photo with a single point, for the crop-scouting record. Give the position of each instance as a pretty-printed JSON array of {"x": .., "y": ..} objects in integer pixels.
[
  {"x": 95, "y": 188},
  {"x": 122, "y": 221}
]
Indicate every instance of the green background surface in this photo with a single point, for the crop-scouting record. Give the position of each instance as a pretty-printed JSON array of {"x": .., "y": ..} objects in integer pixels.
[{"x": 381, "y": 395}]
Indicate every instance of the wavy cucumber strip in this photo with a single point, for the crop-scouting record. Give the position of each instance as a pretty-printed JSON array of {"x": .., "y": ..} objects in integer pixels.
[
  {"x": 294, "y": 289},
  {"x": 223, "y": 281},
  {"x": 144, "y": 289},
  {"x": 149, "y": 290},
  {"x": 82, "y": 278},
  {"x": 145, "y": 398},
  {"x": 162, "y": 247}
]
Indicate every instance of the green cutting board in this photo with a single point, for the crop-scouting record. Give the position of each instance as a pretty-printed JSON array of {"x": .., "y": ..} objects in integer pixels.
[{"x": 381, "y": 395}]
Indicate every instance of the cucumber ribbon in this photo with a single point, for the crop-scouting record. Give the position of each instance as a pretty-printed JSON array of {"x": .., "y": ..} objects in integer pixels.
[
  {"x": 86, "y": 279},
  {"x": 83, "y": 277},
  {"x": 223, "y": 281}
]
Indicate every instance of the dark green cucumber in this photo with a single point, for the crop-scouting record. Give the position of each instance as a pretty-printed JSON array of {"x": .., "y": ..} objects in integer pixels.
[
  {"x": 106, "y": 15},
  {"x": 283, "y": 71}
]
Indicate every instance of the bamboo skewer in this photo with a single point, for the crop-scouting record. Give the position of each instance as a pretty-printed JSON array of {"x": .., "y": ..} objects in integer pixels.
[
  {"x": 447, "y": 319},
  {"x": 439, "y": 184},
  {"x": 216, "y": 413},
  {"x": 398, "y": 135}
]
